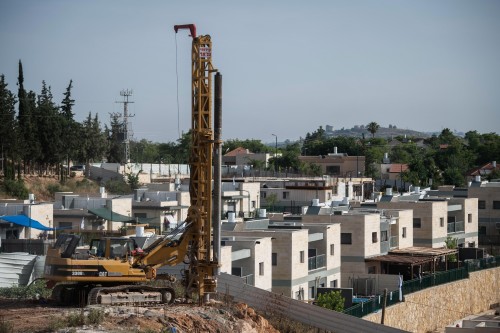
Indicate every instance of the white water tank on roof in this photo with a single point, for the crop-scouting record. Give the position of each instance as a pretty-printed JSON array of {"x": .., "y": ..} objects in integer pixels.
[
  {"x": 262, "y": 212},
  {"x": 231, "y": 217},
  {"x": 388, "y": 191},
  {"x": 417, "y": 189},
  {"x": 139, "y": 231},
  {"x": 315, "y": 202}
]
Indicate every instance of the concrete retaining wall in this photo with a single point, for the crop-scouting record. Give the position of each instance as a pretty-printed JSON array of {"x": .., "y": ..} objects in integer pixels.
[{"x": 436, "y": 307}]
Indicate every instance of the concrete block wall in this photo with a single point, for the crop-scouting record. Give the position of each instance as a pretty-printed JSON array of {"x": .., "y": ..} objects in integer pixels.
[
  {"x": 405, "y": 221},
  {"x": 472, "y": 227},
  {"x": 431, "y": 233},
  {"x": 488, "y": 217},
  {"x": 436, "y": 307}
]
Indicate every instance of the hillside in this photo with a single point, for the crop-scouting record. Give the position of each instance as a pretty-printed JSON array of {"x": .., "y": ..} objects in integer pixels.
[
  {"x": 44, "y": 187},
  {"x": 383, "y": 132}
]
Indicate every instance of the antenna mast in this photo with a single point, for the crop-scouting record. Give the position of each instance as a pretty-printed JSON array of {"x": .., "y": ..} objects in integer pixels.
[{"x": 126, "y": 93}]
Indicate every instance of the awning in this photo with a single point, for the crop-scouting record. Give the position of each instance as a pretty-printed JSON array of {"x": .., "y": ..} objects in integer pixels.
[
  {"x": 109, "y": 215},
  {"x": 26, "y": 222}
]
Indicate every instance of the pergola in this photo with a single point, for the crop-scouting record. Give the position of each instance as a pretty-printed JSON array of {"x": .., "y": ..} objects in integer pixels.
[{"x": 412, "y": 257}]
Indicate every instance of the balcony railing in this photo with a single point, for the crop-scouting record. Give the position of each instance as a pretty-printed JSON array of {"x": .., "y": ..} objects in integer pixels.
[
  {"x": 317, "y": 262},
  {"x": 248, "y": 279},
  {"x": 394, "y": 242},
  {"x": 458, "y": 226}
]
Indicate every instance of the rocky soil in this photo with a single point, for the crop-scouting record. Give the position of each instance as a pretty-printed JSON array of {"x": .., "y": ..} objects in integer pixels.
[{"x": 35, "y": 317}]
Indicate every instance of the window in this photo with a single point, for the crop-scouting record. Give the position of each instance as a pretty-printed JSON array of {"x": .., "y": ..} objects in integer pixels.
[
  {"x": 496, "y": 204},
  {"x": 417, "y": 223},
  {"x": 263, "y": 195},
  {"x": 372, "y": 270},
  {"x": 472, "y": 244},
  {"x": 253, "y": 203},
  {"x": 335, "y": 190},
  {"x": 374, "y": 237},
  {"x": 481, "y": 204},
  {"x": 332, "y": 249},
  {"x": 329, "y": 196},
  {"x": 274, "y": 259},
  {"x": 345, "y": 238},
  {"x": 384, "y": 236},
  {"x": 286, "y": 195},
  {"x": 469, "y": 218},
  {"x": 302, "y": 257},
  {"x": 441, "y": 221},
  {"x": 66, "y": 225},
  {"x": 334, "y": 284},
  {"x": 261, "y": 268},
  {"x": 404, "y": 232},
  {"x": 333, "y": 169},
  {"x": 311, "y": 292}
]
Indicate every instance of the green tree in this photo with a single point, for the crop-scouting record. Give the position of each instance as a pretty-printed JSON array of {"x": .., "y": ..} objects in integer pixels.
[
  {"x": 71, "y": 129},
  {"x": 257, "y": 164},
  {"x": 93, "y": 141},
  {"x": 28, "y": 143},
  {"x": 373, "y": 127},
  {"x": 271, "y": 200},
  {"x": 451, "y": 243},
  {"x": 255, "y": 146},
  {"x": 183, "y": 148},
  {"x": 133, "y": 180},
  {"x": 50, "y": 129},
  {"x": 115, "y": 135},
  {"x": 8, "y": 129},
  {"x": 332, "y": 300}
]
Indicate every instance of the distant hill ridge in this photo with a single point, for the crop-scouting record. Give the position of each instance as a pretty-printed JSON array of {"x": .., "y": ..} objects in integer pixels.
[{"x": 382, "y": 132}]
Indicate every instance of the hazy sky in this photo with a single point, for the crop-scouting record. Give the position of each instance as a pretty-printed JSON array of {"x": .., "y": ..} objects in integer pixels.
[{"x": 288, "y": 66}]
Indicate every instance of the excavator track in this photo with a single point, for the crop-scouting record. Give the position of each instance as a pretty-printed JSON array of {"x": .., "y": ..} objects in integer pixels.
[{"x": 131, "y": 295}]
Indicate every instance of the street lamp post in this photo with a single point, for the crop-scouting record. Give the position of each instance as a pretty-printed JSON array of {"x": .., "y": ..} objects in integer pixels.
[{"x": 275, "y": 152}]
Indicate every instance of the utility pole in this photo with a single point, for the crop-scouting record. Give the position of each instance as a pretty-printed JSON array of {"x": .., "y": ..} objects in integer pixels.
[
  {"x": 126, "y": 93},
  {"x": 383, "y": 307}
]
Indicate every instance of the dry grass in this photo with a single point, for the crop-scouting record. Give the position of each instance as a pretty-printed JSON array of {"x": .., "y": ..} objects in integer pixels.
[{"x": 45, "y": 187}]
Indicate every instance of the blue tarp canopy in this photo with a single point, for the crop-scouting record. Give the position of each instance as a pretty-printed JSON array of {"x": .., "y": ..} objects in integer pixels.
[{"x": 26, "y": 222}]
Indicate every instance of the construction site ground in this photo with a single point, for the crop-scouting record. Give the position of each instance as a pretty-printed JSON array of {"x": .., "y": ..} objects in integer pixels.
[{"x": 38, "y": 316}]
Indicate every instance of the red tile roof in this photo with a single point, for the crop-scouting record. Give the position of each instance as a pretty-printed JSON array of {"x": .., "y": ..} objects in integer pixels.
[
  {"x": 398, "y": 167},
  {"x": 238, "y": 151},
  {"x": 482, "y": 170}
]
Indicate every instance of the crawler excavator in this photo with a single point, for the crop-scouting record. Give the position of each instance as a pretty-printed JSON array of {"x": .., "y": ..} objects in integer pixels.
[{"x": 113, "y": 271}]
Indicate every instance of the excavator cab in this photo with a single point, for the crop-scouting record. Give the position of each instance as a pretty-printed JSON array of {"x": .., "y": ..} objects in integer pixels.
[{"x": 112, "y": 247}]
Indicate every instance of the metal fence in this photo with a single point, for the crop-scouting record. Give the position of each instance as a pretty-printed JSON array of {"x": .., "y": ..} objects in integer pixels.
[
  {"x": 376, "y": 303},
  {"x": 484, "y": 263},
  {"x": 299, "y": 311}
]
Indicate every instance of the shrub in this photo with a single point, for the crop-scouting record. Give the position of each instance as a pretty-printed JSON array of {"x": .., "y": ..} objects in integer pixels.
[
  {"x": 35, "y": 290},
  {"x": 6, "y": 326},
  {"x": 95, "y": 316},
  {"x": 332, "y": 300},
  {"x": 53, "y": 188},
  {"x": 76, "y": 319},
  {"x": 15, "y": 188},
  {"x": 118, "y": 186}
]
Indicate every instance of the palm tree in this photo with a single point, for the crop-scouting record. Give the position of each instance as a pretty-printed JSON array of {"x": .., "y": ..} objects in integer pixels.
[{"x": 372, "y": 128}]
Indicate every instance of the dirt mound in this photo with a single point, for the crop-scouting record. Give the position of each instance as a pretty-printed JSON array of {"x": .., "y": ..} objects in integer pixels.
[{"x": 181, "y": 318}]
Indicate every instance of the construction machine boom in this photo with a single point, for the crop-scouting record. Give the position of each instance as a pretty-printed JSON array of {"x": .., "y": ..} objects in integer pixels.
[{"x": 113, "y": 271}]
